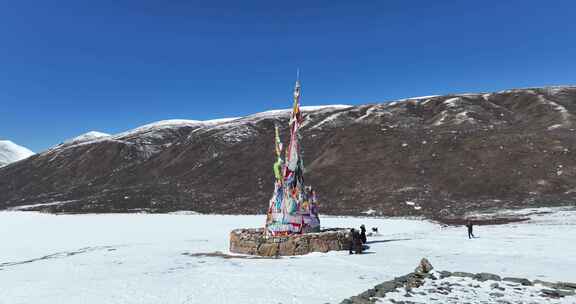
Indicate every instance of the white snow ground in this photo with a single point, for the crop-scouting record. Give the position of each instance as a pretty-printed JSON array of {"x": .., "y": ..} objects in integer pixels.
[{"x": 137, "y": 258}]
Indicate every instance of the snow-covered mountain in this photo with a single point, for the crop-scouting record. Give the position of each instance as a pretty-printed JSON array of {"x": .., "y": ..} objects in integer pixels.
[
  {"x": 86, "y": 137},
  {"x": 11, "y": 152},
  {"x": 426, "y": 156}
]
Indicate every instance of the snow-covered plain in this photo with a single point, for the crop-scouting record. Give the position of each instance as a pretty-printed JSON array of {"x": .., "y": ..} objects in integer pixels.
[{"x": 138, "y": 258}]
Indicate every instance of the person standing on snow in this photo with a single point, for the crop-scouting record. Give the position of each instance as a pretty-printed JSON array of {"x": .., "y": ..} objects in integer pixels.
[
  {"x": 470, "y": 228},
  {"x": 363, "y": 234},
  {"x": 355, "y": 242},
  {"x": 352, "y": 240}
]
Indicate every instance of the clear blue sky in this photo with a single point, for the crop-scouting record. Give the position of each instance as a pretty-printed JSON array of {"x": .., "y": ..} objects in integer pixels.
[{"x": 68, "y": 67}]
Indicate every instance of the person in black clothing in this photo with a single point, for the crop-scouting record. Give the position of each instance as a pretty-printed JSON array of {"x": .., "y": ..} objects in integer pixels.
[
  {"x": 355, "y": 242},
  {"x": 352, "y": 241},
  {"x": 363, "y": 234},
  {"x": 470, "y": 228}
]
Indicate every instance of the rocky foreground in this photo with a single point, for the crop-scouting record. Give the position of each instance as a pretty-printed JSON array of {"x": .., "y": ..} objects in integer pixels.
[
  {"x": 436, "y": 156},
  {"x": 425, "y": 285}
]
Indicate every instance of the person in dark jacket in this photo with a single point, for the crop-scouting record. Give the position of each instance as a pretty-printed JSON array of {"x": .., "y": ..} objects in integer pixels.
[
  {"x": 352, "y": 240},
  {"x": 355, "y": 242},
  {"x": 470, "y": 229},
  {"x": 363, "y": 234}
]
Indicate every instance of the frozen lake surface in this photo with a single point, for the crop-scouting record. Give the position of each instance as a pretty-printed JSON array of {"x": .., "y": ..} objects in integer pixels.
[{"x": 138, "y": 258}]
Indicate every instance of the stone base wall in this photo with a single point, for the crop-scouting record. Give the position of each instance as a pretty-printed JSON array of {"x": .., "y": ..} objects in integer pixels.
[{"x": 255, "y": 242}]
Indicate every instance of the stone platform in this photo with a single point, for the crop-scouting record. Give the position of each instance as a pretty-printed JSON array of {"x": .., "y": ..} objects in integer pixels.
[{"x": 255, "y": 242}]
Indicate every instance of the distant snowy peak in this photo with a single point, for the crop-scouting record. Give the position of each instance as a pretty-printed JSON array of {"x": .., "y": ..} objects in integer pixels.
[
  {"x": 89, "y": 136},
  {"x": 11, "y": 152},
  {"x": 171, "y": 123},
  {"x": 175, "y": 123},
  {"x": 417, "y": 98},
  {"x": 303, "y": 108}
]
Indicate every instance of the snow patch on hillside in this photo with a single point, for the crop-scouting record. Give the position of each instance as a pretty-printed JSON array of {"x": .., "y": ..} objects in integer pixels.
[
  {"x": 418, "y": 98},
  {"x": 564, "y": 114},
  {"x": 11, "y": 152},
  {"x": 280, "y": 112},
  {"x": 89, "y": 136},
  {"x": 27, "y": 207}
]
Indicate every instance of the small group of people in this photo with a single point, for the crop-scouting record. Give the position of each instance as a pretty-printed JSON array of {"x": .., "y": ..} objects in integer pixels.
[{"x": 358, "y": 240}]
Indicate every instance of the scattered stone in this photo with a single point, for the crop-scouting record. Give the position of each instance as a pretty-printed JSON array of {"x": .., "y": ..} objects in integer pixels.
[
  {"x": 445, "y": 274},
  {"x": 485, "y": 276},
  {"x": 524, "y": 282},
  {"x": 424, "y": 266},
  {"x": 544, "y": 283},
  {"x": 368, "y": 293},
  {"x": 358, "y": 300},
  {"x": 403, "y": 279},
  {"x": 463, "y": 274},
  {"x": 565, "y": 293},
  {"x": 551, "y": 293},
  {"x": 386, "y": 287},
  {"x": 566, "y": 285}
]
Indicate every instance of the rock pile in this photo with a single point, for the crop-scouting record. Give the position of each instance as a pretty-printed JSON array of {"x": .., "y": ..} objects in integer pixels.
[
  {"x": 425, "y": 285},
  {"x": 255, "y": 242}
]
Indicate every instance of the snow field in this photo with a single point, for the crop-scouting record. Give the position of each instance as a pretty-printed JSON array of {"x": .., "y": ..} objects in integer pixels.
[{"x": 138, "y": 258}]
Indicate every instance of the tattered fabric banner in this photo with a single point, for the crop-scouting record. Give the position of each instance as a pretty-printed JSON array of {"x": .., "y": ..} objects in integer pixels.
[{"x": 293, "y": 207}]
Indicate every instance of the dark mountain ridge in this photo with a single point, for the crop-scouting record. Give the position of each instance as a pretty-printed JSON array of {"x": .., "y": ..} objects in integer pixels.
[{"x": 431, "y": 156}]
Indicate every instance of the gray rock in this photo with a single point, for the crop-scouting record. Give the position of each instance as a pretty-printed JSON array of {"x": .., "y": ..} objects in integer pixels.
[
  {"x": 496, "y": 294},
  {"x": 565, "y": 293},
  {"x": 386, "y": 287},
  {"x": 421, "y": 275},
  {"x": 404, "y": 279},
  {"x": 544, "y": 283},
  {"x": 368, "y": 293},
  {"x": 494, "y": 285},
  {"x": 424, "y": 266},
  {"x": 522, "y": 281},
  {"x": 444, "y": 290},
  {"x": 463, "y": 274},
  {"x": 485, "y": 276},
  {"x": 445, "y": 274},
  {"x": 556, "y": 293},
  {"x": 358, "y": 300},
  {"x": 566, "y": 285}
]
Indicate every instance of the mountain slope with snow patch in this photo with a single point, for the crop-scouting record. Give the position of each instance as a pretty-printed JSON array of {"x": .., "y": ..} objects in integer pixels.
[{"x": 448, "y": 154}]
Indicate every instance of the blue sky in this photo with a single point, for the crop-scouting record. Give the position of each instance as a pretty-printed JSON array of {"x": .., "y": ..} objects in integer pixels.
[{"x": 68, "y": 67}]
